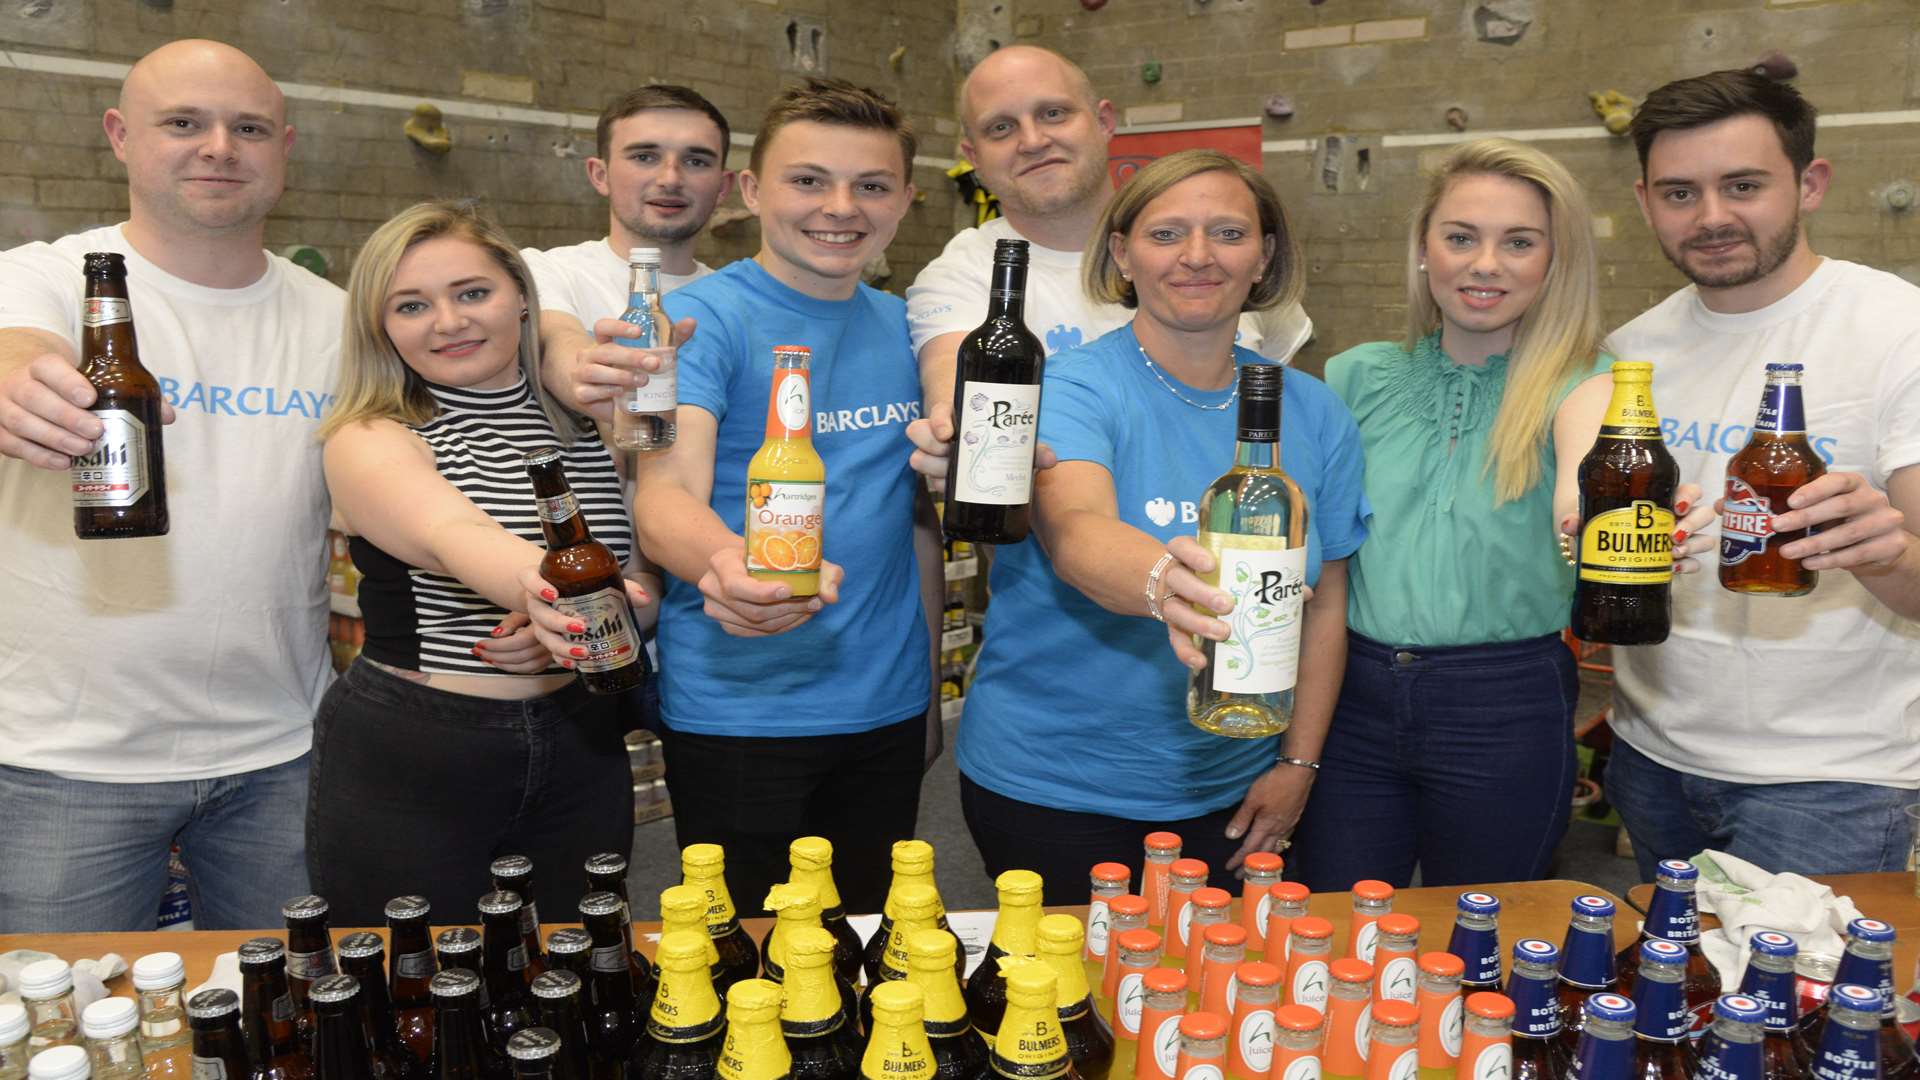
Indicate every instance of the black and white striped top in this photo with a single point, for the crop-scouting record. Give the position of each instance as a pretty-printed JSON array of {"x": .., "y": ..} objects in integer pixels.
[{"x": 421, "y": 621}]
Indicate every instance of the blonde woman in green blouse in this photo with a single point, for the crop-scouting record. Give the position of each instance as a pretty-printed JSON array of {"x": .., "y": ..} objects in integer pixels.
[{"x": 1451, "y": 747}]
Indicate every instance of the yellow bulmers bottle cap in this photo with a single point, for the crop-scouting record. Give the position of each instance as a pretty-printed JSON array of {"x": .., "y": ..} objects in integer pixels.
[
  {"x": 1030, "y": 983},
  {"x": 707, "y": 857},
  {"x": 1061, "y": 934},
  {"x": 811, "y": 853},
  {"x": 808, "y": 946},
  {"x": 752, "y": 1001},
  {"x": 1632, "y": 370},
  {"x": 932, "y": 949},
  {"x": 912, "y": 857},
  {"x": 900, "y": 1002},
  {"x": 684, "y": 902},
  {"x": 794, "y": 901},
  {"x": 1019, "y": 886},
  {"x": 916, "y": 901},
  {"x": 682, "y": 950}
]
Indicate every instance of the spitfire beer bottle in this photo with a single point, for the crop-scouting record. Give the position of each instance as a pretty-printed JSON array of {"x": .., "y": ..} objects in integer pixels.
[
  {"x": 119, "y": 486},
  {"x": 587, "y": 577},
  {"x": 1776, "y": 462},
  {"x": 1623, "y": 592},
  {"x": 996, "y": 413}
]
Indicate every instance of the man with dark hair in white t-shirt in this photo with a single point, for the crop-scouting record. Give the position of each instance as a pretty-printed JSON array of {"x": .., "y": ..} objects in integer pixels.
[
  {"x": 1036, "y": 133},
  {"x": 1783, "y": 731},
  {"x": 162, "y": 690}
]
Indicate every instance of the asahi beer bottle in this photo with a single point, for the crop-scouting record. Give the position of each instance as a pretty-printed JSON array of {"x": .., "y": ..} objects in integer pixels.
[
  {"x": 119, "y": 486},
  {"x": 218, "y": 1051},
  {"x": 587, "y": 576},
  {"x": 412, "y": 969},
  {"x": 1623, "y": 592},
  {"x": 996, "y": 413},
  {"x": 1776, "y": 462}
]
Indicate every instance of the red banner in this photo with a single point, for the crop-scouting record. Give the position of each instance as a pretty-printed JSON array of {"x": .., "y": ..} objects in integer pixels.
[{"x": 1126, "y": 153}]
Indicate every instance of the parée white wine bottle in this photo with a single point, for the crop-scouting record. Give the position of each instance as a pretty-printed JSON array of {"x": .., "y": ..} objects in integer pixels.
[
  {"x": 1253, "y": 520},
  {"x": 996, "y": 413}
]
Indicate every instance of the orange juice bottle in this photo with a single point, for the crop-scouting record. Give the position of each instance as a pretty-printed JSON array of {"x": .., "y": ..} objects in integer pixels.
[
  {"x": 1162, "y": 848},
  {"x": 1261, "y": 872},
  {"x": 1441, "y": 1015},
  {"x": 1486, "y": 1043},
  {"x": 1107, "y": 880},
  {"x": 1203, "y": 1047},
  {"x": 1223, "y": 948},
  {"x": 1391, "y": 1053},
  {"x": 1309, "y": 948},
  {"x": 1209, "y": 907},
  {"x": 1371, "y": 899},
  {"x": 1187, "y": 877},
  {"x": 1250, "y": 1045},
  {"x": 1395, "y": 959},
  {"x": 787, "y": 482},
  {"x": 1157, "y": 1055},
  {"x": 1349, "y": 1003},
  {"x": 1126, "y": 912},
  {"x": 1135, "y": 954},
  {"x": 1288, "y": 901},
  {"x": 1300, "y": 1034}
]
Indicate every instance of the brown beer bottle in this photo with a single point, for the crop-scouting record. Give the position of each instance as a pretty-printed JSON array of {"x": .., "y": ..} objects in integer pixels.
[
  {"x": 363, "y": 955},
  {"x": 587, "y": 577},
  {"x": 607, "y": 872},
  {"x": 1776, "y": 462},
  {"x": 120, "y": 486},
  {"x": 411, "y": 970},
  {"x": 340, "y": 1039},
  {"x": 272, "y": 1036},
  {"x": 218, "y": 1050},
  {"x": 1623, "y": 594},
  {"x": 514, "y": 874}
]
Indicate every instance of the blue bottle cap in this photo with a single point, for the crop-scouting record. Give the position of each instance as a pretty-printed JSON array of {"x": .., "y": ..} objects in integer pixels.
[
  {"x": 1610, "y": 1007},
  {"x": 1535, "y": 951},
  {"x": 1479, "y": 903},
  {"x": 1773, "y": 943},
  {"x": 1785, "y": 367},
  {"x": 1662, "y": 951},
  {"x": 1855, "y": 997},
  {"x": 1594, "y": 907},
  {"x": 1740, "y": 1007},
  {"x": 1678, "y": 870},
  {"x": 1870, "y": 930}
]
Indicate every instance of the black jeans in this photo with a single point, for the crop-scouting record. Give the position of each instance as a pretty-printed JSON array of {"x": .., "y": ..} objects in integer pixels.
[
  {"x": 416, "y": 790},
  {"x": 753, "y": 796},
  {"x": 1062, "y": 846}
]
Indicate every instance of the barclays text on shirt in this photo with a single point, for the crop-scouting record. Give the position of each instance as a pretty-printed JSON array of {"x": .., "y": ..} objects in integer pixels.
[
  {"x": 1728, "y": 438},
  {"x": 866, "y": 416},
  {"x": 215, "y": 399}
]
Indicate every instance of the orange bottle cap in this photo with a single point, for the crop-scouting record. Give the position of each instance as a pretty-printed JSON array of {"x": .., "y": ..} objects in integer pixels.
[
  {"x": 1138, "y": 940},
  {"x": 1396, "y": 1012},
  {"x": 1111, "y": 871},
  {"x": 1399, "y": 925},
  {"x": 1444, "y": 964},
  {"x": 1189, "y": 868},
  {"x": 1127, "y": 904},
  {"x": 1264, "y": 862},
  {"x": 1311, "y": 926},
  {"x": 1291, "y": 891},
  {"x": 1258, "y": 973},
  {"x": 1163, "y": 841},
  {"x": 1490, "y": 1005},
  {"x": 1298, "y": 1018},
  {"x": 1211, "y": 897},
  {"x": 1203, "y": 1025},
  {"x": 1226, "y": 934},
  {"x": 1350, "y": 970},
  {"x": 1169, "y": 981},
  {"x": 1372, "y": 890}
]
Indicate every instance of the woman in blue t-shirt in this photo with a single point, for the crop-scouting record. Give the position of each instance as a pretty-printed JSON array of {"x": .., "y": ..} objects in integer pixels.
[
  {"x": 1075, "y": 743},
  {"x": 1452, "y": 745}
]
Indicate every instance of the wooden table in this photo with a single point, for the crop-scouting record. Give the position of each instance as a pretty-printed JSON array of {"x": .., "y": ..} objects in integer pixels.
[
  {"x": 1528, "y": 909},
  {"x": 1885, "y": 896}
]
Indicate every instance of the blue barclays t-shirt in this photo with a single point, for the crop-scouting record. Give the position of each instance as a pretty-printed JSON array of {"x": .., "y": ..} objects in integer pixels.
[
  {"x": 856, "y": 665},
  {"x": 1076, "y": 708}
]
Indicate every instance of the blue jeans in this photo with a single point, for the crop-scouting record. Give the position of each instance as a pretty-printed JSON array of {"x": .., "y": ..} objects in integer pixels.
[
  {"x": 1810, "y": 827},
  {"x": 79, "y": 855},
  {"x": 1457, "y": 759}
]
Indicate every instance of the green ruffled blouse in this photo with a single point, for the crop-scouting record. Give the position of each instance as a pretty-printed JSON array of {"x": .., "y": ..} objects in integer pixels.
[{"x": 1443, "y": 565}]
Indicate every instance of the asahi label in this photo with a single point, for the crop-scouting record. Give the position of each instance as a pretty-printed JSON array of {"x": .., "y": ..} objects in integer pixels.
[
  {"x": 283, "y": 1007},
  {"x": 310, "y": 965},
  {"x": 1262, "y": 652},
  {"x": 116, "y": 471},
  {"x": 517, "y": 958},
  {"x": 997, "y": 429},
  {"x": 558, "y": 508},
  {"x": 206, "y": 1068},
  {"x": 609, "y": 958},
  {"x": 1628, "y": 545},
  {"x": 105, "y": 311},
  {"x": 414, "y": 965},
  {"x": 611, "y": 640}
]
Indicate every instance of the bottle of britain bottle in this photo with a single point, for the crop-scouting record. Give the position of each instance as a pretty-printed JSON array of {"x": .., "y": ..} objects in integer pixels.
[
  {"x": 615, "y": 1007},
  {"x": 1533, "y": 985},
  {"x": 704, "y": 866},
  {"x": 1060, "y": 941},
  {"x": 1605, "y": 1050},
  {"x": 1441, "y": 1015},
  {"x": 684, "y": 907},
  {"x": 1486, "y": 1042},
  {"x": 607, "y": 872},
  {"x": 1015, "y": 931},
  {"x": 1769, "y": 980},
  {"x": 602, "y": 915},
  {"x": 584, "y": 572},
  {"x": 1776, "y": 462},
  {"x": 112, "y": 1028},
  {"x": 556, "y": 992},
  {"x": 1223, "y": 948},
  {"x": 458, "y": 947},
  {"x": 460, "y": 1050},
  {"x": 1260, "y": 873},
  {"x": 1157, "y": 1053},
  {"x": 1128, "y": 912},
  {"x": 1209, "y": 907},
  {"x": 1301, "y": 1036},
  {"x": 1731, "y": 1049},
  {"x": 996, "y": 413},
  {"x": 755, "y": 1048},
  {"x": 1586, "y": 962},
  {"x": 1673, "y": 916},
  {"x": 1623, "y": 592},
  {"x": 644, "y": 416},
  {"x": 1849, "y": 1043},
  {"x": 514, "y": 874},
  {"x": 309, "y": 958},
  {"x": 535, "y": 1054},
  {"x": 160, "y": 979},
  {"x": 1868, "y": 961},
  {"x": 412, "y": 969},
  {"x": 796, "y": 907},
  {"x": 811, "y": 859},
  {"x": 272, "y": 1036},
  {"x": 1184, "y": 878},
  {"x": 912, "y": 865},
  {"x": 339, "y": 1041},
  {"x": 1662, "y": 1049},
  {"x": 120, "y": 485},
  {"x": 1476, "y": 941},
  {"x": 958, "y": 1054}
]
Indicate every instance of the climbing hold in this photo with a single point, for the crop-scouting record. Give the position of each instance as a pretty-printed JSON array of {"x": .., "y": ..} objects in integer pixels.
[
  {"x": 1279, "y": 106},
  {"x": 1093, "y": 5},
  {"x": 1457, "y": 118},
  {"x": 897, "y": 57},
  {"x": 1150, "y": 72},
  {"x": 1776, "y": 66},
  {"x": 1615, "y": 109},
  {"x": 428, "y": 129}
]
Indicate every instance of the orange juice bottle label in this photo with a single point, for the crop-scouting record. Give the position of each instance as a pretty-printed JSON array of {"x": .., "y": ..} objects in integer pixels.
[
  {"x": 1398, "y": 979},
  {"x": 784, "y": 519},
  {"x": 1253, "y": 1043},
  {"x": 1492, "y": 1062}
]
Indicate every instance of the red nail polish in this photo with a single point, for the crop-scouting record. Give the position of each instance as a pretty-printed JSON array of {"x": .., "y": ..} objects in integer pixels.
[
  {"x": 498, "y": 630},
  {"x": 1681, "y": 506},
  {"x": 1679, "y": 537},
  {"x": 549, "y": 595},
  {"x": 476, "y": 650},
  {"x": 578, "y": 653},
  {"x": 576, "y": 628},
  {"x": 566, "y": 663}
]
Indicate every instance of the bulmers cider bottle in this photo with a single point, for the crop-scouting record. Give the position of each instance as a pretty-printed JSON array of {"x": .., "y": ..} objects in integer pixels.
[
  {"x": 587, "y": 576},
  {"x": 1622, "y": 594},
  {"x": 119, "y": 486}
]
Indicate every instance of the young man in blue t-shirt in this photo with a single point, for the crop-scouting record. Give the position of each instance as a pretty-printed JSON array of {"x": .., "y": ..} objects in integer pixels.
[{"x": 792, "y": 715}]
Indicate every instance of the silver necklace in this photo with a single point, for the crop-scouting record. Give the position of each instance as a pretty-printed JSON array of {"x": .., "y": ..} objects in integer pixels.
[{"x": 1175, "y": 391}]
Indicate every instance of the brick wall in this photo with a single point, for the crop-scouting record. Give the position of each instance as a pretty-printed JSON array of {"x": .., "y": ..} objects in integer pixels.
[
  {"x": 353, "y": 168},
  {"x": 1222, "y": 58}
]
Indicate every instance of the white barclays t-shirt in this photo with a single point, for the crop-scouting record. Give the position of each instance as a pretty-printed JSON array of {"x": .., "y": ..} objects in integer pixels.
[
  {"x": 1760, "y": 689},
  {"x": 589, "y": 282},
  {"x": 950, "y": 296},
  {"x": 201, "y": 653}
]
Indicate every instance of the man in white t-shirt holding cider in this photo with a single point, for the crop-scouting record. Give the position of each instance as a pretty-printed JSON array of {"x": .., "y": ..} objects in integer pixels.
[
  {"x": 1783, "y": 731},
  {"x": 161, "y": 690}
]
